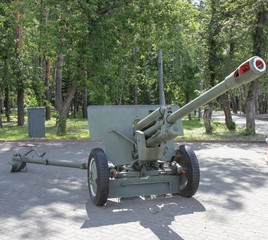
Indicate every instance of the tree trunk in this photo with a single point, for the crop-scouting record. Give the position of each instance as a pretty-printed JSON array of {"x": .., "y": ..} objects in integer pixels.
[
  {"x": 234, "y": 103},
  {"x": 120, "y": 98},
  {"x": 38, "y": 90},
  {"x": 84, "y": 102},
  {"x": 6, "y": 104},
  {"x": 20, "y": 84},
  {"x": 58, "y": 89},
  {"x": 47, "y": 93},
  {"x": 73, "y": 109},
  {"x": 40, "y": 60},
  {"x": 251, "y": 107},
  {"x": 261, "y": 103},
  {"x": 207, "y": 118},
  {"x": 135, "y": 86},
  {"x": 160, "y": 74},
  {"x": 187, "y": 99},
  {"x": 257, "y": 50},
  {"x": 1, "y": 102},
  {"x": 1, "y": 123},
  {"x": 242, "y": 104},
  {"x": 230, "y": 124},
  {"x": 214, "y": 29},
  {"x": 75, "y": 105},
  {"x": 20, "y": 100},
  {"x": 63, "y": 113},
  {"x": 61, "y": 106},
  {"x": 264, "y": 104}
]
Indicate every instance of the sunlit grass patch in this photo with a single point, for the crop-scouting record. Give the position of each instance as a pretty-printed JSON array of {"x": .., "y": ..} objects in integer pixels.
[
  {"x": 195, "y": 130},
  {"x": 12, "y": 131},
  {"x": 77, "y": 128}
]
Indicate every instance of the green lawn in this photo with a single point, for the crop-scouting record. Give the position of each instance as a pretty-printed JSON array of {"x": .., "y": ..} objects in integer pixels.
[
  {"x": 195, "y": 130},
  {"x": 77, "y": 128}
]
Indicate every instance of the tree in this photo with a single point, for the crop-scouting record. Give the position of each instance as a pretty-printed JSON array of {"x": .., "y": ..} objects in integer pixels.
[
  {"x": 8, "y": 56},
  {"x": 47, "y": 92},
  {"x": 1, "y": 123},
  {"x": 86, "y": 47},
  {"x": 245, "y": 31},
  {"x": 62, "y": 106},
  {"x": 80, "y": 45},
  {"x": 213, "y": 28},
  {"x": 19, "y": 51},
  {"x": 258, "y": 45}
]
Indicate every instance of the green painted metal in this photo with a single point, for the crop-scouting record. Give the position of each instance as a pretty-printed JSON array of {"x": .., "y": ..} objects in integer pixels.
[
  {"x": 150, "y": 140},
  {"x": 150, "y": 119},
  {"x": 154, "y": 185},
  {"x": 139, "y": 147},
  {"x": 18, "y": 161},
  {"x": 108, "y": 123}
]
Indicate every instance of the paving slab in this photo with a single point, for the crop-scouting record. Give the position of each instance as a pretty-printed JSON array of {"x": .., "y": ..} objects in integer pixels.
[{"x": 48, "y": 202}]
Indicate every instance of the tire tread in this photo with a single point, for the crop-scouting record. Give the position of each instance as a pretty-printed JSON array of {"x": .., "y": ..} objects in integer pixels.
[{"x": 102, "y": 177}]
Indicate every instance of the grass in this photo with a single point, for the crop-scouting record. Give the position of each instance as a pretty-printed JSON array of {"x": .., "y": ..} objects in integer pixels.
[
  {"x": 195, "y": 130},
  {"x": 77, "y": 128}
]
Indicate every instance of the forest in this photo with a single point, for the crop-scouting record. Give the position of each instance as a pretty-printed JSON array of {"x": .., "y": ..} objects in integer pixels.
[{"x": 66, "y": 55}]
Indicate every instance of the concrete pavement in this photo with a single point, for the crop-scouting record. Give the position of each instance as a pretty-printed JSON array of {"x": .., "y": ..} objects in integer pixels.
[{"x": 47, "y": 202}]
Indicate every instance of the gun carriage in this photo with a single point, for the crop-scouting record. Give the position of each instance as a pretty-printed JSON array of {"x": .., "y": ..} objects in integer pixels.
[{"x": 139, "y": 157}]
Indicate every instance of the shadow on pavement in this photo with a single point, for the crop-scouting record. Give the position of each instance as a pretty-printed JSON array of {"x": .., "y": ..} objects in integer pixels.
[
  {"x": 230, "y": 180},
  {"x": 43, "y": 193},
  {"x": 155, "y": 213}
]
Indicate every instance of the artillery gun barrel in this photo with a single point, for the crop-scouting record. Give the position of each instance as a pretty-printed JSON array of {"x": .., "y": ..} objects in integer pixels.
[
  {"x": 150, "y": 119},
  {"x": 246, "y": 72}
]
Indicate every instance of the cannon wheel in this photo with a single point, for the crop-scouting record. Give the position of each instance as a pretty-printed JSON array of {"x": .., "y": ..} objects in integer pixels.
[
  {"x": 189, "y": 181},
  {"x": 98, "y": 177},
  {"x": 16, "y": 168}
]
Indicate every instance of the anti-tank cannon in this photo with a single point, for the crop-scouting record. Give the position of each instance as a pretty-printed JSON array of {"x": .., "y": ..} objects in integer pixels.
[{"x": 139, "y": 158}]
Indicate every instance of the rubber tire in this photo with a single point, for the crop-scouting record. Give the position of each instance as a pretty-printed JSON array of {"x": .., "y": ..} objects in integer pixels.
[
  {"x": 99, "y": 191},
  {"x": 15, "y": 168},
  {"x": 189, "y": 181}
]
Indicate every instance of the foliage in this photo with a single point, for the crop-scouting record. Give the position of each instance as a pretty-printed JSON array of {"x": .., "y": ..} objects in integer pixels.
[{"x": 109, "y": 46}]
